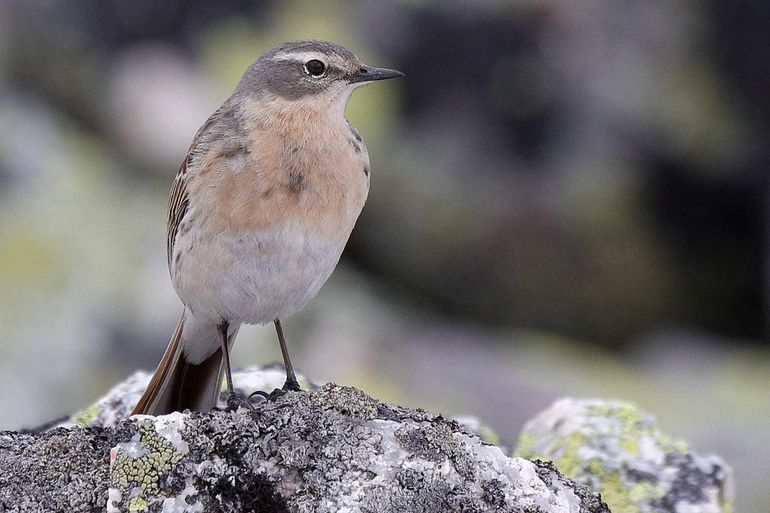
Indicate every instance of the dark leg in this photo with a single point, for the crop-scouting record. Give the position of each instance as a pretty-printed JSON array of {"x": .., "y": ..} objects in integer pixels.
[
  {"x": 233, "y": 401},
  {"x": 226, "y": 356},
  {"x": 291, "y": 379},
  {"x": 291, "y": 383}
]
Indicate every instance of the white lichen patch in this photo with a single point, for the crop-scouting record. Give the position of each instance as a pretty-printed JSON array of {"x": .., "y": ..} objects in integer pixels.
[
  {"x": 528, "y": 490},
  {"x": 114, "y": 498},
  {"x": 133, "y": 448},
  {"x": 170, "y": 427},
  {"x": 183, "y": 502}
]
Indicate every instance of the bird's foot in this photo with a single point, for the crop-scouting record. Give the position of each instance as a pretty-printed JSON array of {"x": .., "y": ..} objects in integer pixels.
[
  {"x": 288, "y": 386},
  {"x": 235, "y": 401}
]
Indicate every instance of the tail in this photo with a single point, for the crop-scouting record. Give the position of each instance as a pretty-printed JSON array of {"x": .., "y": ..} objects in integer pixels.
[{"x": 178, "y": 384}]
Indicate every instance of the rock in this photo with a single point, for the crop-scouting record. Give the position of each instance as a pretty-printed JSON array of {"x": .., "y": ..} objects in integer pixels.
[
  {"x": 60, "y": 470},
  {"x": 329, "y": 449},
  {"x": 476, "y": 426},
  {"x": 617, "y": 449}
]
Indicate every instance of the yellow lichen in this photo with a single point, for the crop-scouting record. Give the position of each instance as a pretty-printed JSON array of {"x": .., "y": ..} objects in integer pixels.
[
  {"x": 87, "y": 416},
  {"x": 141, "y": 474},
  {"x": 615, "y": 493},
  {"x": 526, "y": 446}
]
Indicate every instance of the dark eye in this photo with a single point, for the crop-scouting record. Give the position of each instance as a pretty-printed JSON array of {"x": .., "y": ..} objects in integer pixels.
[{"x": 315, "y": 68}]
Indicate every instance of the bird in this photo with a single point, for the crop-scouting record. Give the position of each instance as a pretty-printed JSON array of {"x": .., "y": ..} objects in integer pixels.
[{"x": 259, "y": 213}]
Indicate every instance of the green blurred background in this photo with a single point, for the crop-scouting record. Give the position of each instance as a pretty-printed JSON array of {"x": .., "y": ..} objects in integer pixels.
[{"x": 568, "y": 198}]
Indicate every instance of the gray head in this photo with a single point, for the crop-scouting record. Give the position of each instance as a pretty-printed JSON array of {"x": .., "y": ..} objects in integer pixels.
[{"x": 300, "y": 69}]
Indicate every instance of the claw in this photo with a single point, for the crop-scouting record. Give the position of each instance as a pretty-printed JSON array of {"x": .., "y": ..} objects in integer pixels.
[
  {"x": 234, "y": 401},
  {"x": 278, "y": 392}
]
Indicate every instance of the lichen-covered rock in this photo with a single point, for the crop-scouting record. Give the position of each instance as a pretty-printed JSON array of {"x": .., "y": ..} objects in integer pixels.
[
  {"x": 617, "y": 449},
  {"x": 60, "y": 470},
  {"x": 117, "y": 403},
  {"x": 331, "y": 449},
  {"x": 139, "y": 463}
]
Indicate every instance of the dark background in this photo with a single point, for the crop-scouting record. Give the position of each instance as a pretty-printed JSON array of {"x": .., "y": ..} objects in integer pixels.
[{"x": 567, "y": 198}]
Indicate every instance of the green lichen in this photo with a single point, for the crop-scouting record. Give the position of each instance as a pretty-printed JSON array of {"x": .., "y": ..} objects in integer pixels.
[
  {"x": 87, "y": 416},
  {"x": 645, "y": 492},
  {"x": 488, "y": 435},
  {"x": 139, "y": 476},
  {"x": 680, "y": 446},
  {"x": 568, "y": 461},
  {"x": 725, "y": 504},
  {"x": 137, "y": 504},
  {"x": 525, "y": 448},
  {"x": 630, "y": 445},
  {"x": 596, "y": 468},
  {"x": 623, "y": 497},
  {"x": 634, "y": 426},
  {"x": 615, "y": 493},
  {"x": 631, "y": 420}
]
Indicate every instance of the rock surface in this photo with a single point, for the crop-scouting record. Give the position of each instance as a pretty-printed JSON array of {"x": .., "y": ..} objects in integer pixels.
[
  {"x": 328, "y": 449},
  {"x": 60, "y": 470},
  {"x": 617, "y": 449}
]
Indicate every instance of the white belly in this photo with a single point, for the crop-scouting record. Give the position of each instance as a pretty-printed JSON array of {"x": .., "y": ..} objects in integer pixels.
[{"x": 254, "y": 278}]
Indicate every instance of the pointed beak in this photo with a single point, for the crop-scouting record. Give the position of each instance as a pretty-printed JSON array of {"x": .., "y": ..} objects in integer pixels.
[{"x": 370, "y": 73}]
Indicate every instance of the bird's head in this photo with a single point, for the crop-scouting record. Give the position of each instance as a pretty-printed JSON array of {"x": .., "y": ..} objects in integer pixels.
[{"x": 310, "y": 72}]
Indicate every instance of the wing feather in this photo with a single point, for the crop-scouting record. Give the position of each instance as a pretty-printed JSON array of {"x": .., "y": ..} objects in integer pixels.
[
  {"x": 178, "y": 204},
  {"x": 220, "y": 133}
]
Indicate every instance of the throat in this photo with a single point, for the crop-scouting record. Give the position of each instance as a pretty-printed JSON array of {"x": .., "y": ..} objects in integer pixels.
[{"x": 304, "y": 120}]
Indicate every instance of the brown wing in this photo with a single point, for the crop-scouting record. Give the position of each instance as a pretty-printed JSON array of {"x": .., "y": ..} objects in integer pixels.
[{"x": 178, "y": 202}]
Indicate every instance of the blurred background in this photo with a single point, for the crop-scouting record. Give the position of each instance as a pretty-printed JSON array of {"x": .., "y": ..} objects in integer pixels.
[{"x": 567, "y": 199}]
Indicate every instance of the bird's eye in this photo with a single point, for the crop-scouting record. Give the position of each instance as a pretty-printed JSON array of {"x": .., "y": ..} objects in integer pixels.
[{"x": 315, "y": 68}]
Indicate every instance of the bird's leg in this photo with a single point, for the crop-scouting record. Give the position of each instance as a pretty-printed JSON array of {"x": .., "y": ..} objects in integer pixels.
[
  {"x": 233, "y": 401},
  {"x": 223, "y": 327},
  {"x": 291, "y": 383},
  {"x": 291, "y": 379}
]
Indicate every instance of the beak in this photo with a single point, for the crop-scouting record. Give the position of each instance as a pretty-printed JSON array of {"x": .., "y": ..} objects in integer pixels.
[{"x": 370, "y": 73}]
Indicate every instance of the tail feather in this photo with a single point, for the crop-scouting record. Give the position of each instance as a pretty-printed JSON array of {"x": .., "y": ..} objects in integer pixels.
[{"x": 178, "y": 384}]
